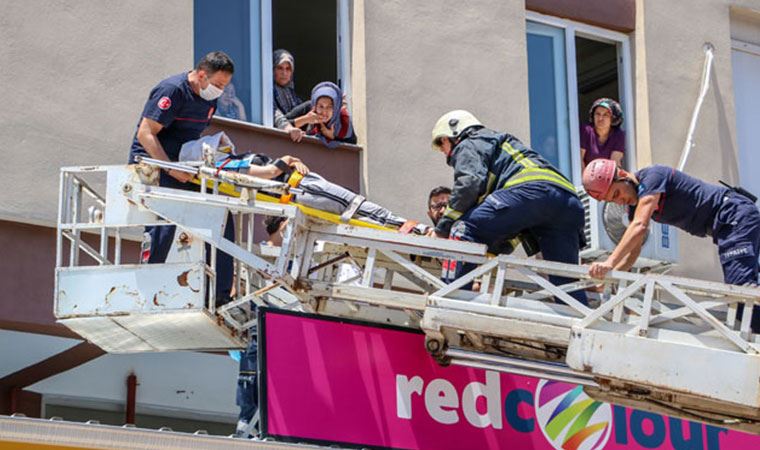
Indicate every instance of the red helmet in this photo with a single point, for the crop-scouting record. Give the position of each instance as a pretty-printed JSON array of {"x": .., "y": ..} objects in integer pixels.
[{"x": 598, "y": 177}]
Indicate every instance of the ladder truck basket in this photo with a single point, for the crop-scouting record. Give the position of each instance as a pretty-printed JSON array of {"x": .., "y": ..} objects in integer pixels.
[{"x": 667, "y": 344}]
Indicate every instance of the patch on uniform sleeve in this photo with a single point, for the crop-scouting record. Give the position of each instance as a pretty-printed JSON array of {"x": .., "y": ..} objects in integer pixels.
[
  {"x": 164, "y": 103},
  {"x": 737, "y": 251}
]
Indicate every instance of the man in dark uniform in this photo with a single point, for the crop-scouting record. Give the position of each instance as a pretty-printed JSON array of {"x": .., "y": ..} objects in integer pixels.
[
  {"x": 178, "y": 109},
  {"x": 504, "y": 190},
  {"x": 669, "y": 196}
]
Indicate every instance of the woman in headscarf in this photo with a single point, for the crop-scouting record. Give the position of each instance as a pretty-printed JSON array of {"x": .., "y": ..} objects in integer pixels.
[
  {"x": 289, "y": 109},
  {"x": 602, "y": 136},
  {"x": 333, "y": 123}
]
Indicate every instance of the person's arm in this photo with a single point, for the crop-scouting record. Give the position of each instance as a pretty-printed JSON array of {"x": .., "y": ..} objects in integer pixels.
[
  {"x": 240, "y": 108},
  {"x": 275, "y": 169},
  {"x": 470, "y": 177},
  {"x": 346, "y": 133},
  {"x": 632, "y": 240},
  {"x": 617, "y": 156},
  {"x": 147, "y": 135},
  {"x": 629, "y": 260},
  {"x": 309, "y": 118},
  {"x": 296, "y": 134},
  {"x": 280, "y": 121},
  {"x": 617, "y": 145},
  {"x": 585, "y": 144},
  {"x": 583, "y": 160},
  {"x": 328, "y": 132}
]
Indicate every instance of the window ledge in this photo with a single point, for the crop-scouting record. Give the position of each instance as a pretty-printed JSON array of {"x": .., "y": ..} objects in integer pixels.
[{"x": 256, "y": 128}]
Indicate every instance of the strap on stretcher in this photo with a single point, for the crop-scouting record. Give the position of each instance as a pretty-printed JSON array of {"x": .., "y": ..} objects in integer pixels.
[
  {"x": 293, "y": 181},
  {"x": 231, "y": 190}
]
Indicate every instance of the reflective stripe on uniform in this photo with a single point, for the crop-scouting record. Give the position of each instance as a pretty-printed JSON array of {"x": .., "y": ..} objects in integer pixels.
[
  {"x": 489, "y": 187},
  {"x": 539, "y": 174},
  {"x": 452, "y": 213},
  {"x": 531, "y": 171},
  {"x": 518, "y": 156}
]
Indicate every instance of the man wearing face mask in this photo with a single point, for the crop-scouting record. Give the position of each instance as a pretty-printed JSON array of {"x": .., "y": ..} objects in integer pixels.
[{"x": 178, "y": 109}]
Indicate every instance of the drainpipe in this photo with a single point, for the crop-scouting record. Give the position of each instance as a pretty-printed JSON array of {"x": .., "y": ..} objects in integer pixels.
[{"x": 704, "y": 86}]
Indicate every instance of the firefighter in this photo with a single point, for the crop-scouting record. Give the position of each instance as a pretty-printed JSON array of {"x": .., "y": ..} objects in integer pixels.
[
  {"x": 666, "y": 195},
  {"x": 178, "y": 110},
  {"x": 502, "y": 190}
]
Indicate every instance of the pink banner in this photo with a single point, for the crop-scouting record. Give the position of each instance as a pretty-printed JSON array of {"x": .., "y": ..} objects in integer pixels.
[{"x": 349, "y": 383}]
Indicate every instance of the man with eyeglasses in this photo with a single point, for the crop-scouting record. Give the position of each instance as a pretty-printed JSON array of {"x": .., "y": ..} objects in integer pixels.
[
  {"x": 438, "y": 200},
  {"x": 504, "y": 190}
]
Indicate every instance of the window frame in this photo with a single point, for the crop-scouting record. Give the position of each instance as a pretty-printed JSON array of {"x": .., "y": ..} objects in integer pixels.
[
  {"x": 625, "y": 80},
  {"x": 342, "y": 47}
]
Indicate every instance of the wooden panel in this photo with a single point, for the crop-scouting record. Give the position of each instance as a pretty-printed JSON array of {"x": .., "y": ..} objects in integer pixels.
[
  {"x": 339, "y": 165},
  {"x": 617, "y": 15}
]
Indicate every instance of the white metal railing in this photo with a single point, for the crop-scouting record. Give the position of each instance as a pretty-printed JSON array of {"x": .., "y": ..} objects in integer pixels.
[{"x": 517, "y": 320}]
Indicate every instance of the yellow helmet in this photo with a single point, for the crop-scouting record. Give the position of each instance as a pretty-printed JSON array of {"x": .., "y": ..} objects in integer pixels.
[{"x": 452, "y": 124}]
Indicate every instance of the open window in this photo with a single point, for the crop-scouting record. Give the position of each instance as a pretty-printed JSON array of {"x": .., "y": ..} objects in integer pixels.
[
  {"x": 597, "y": 72},
  {"x": 569, "y": 66},
  {"x": 309, "y": 32},
  {"x": 315, "y": 32}
]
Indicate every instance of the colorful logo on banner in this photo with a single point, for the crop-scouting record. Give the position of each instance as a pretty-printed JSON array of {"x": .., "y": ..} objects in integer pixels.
[{"x": 570, "y": 419}]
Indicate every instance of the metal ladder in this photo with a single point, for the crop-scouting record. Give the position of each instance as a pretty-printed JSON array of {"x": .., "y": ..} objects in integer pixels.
[{"x": 649, "y": 343}]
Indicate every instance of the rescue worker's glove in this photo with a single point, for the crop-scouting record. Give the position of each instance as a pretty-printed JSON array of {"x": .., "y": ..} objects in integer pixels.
[{"x": 413, "y": 227}]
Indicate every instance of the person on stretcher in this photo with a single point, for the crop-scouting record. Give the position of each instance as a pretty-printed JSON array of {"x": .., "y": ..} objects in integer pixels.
[{"x": 316, "y": 191}]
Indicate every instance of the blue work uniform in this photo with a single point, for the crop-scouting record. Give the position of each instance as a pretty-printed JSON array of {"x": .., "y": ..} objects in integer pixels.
[
  {"x": 703, "y": 209},
  {"x": 503, "y": 189},
  {"x": 184, "y": 115},
  {"x": 247, "y": 397}
]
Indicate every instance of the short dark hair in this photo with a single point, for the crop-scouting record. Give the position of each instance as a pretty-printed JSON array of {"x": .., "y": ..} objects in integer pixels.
[
  {"x": 438, "y": 191},
  {"x": 272, "y": 223},
  {"x": 214, "y": 62}
]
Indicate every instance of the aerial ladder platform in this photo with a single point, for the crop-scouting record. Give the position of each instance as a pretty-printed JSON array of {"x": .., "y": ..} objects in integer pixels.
[{"x": 656, "y": 342}]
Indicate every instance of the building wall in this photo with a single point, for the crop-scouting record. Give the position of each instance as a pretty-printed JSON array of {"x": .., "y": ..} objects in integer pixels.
[
  {"x": 423, "y": 59},
  {"x": 76, "y": 75},
  {"x": 671, "y": 89}
]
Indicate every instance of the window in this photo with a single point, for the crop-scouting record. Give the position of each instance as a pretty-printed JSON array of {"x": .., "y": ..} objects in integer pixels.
[
  {"x": 745, "y": 62},
  {"x": 547, "y": 90},
  {"x": 250, "y": 30},
  {"x": 569, "y": 66},
  {"x": 241, "y": 39}
]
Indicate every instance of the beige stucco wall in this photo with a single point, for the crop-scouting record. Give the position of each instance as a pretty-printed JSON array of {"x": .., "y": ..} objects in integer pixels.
[
  {"x": 75, "y": 75},
  {"x": 423, "y": 59},
  {"x": 673, "y": 57}
]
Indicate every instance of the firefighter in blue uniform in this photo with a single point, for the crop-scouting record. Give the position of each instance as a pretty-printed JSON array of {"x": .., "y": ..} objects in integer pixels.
[
  {"x": 503, "y": 190},
  {"x": 178, "y": 109},
  {"x": 666, "y": 195}
]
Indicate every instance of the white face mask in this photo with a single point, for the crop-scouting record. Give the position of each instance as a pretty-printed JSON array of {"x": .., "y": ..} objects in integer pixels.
[{"x": 211, "y": 92}]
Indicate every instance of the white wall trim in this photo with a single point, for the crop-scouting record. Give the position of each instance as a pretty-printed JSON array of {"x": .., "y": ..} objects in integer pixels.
[
  {"x": 746, "y": 47},
  {"x": 343, "y": 20},
  {"x": 267, "y": 112},
  {"x": 583, "y": 29}
]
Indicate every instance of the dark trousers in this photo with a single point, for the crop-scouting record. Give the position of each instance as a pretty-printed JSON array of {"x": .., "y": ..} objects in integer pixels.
[
  {"x": 247, "y": 388},
  {"x": 737, "y": 234},
  {"x": 162, "y": 237},
  {"x": 553, "y": 215}
]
